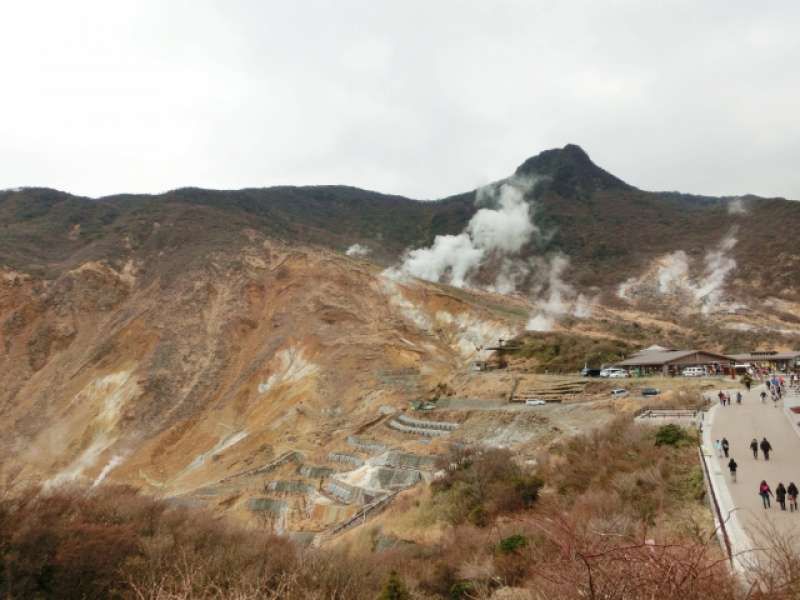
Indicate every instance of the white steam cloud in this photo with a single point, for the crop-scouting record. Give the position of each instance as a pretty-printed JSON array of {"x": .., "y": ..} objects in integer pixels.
[
  {"x": 671, "y": 276},
  {"x": 737, "y": 207},
  {"x": 497, "y": 232},
  {"x": 718, "y": 265},
  {"x": 559, "y": 297},
  {"x": 673, "y": 272},
  {"x": 495, "y": 236},
  {"x": 358, "y": 250}
]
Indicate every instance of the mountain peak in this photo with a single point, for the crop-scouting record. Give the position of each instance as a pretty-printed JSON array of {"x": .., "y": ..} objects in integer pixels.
[{"x": 571, "y": 171}]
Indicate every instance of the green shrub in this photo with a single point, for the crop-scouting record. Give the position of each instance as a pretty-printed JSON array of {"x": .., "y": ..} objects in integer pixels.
[
  {"x": 512, "y": 543},
  {"x": 394, "y": 589},
  {"x": 461, "y": 590},
  {"x": 671, "y": 435}
]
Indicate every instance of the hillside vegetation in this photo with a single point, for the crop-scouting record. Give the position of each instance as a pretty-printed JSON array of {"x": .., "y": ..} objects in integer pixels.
[
  {"x": 609, "y": 229},
  {"x": 618, "y": 513}
]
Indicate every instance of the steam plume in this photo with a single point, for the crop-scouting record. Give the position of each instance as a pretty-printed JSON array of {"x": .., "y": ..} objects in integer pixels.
[
  {"x": 737, "y": 207},
  {"x": 357, "y": 250},
  {"x": 499, "y": 231},
  {"x": 672, "y": 276}
]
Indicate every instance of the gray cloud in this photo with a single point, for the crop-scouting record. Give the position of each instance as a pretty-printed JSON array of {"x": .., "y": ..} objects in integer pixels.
[{"x": 420, "y": 98}]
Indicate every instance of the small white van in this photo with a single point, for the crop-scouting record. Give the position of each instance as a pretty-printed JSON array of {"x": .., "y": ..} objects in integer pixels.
[
  {"x": 694, "y": 372},
  {"x": 614, "y": 372}
]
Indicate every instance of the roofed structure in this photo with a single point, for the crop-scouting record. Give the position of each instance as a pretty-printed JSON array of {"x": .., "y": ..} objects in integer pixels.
[
  {"x": 766, "y": 355},
  {"x": 657, "y": 359},
  {"x": 772, "y": 358},
  {"x": 653, "y": 348}
]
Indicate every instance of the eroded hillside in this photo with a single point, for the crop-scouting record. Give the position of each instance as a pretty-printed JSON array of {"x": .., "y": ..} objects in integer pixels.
[
  {"x": 174, "y": 383},
  {"x": 262, "y": 351}
]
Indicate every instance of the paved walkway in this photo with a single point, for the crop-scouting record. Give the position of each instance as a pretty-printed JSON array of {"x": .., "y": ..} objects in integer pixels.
[{"x": 750, "y": 523}]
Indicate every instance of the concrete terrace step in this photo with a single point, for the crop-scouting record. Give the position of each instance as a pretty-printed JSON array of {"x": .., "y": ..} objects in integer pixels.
[
  {"x": 315, "y": 471},
  {"x": 346, "y": 493},
  {"x": 343, "y": 457},
  {"x": 407, "y": 460},
  {"x": 290, "y": 487},
  {"x": 425, "y": 424},
  {"x": 398, "y": 426},
  {"x": 365, "y": 445},
  {"x": 417, "y": 427}
]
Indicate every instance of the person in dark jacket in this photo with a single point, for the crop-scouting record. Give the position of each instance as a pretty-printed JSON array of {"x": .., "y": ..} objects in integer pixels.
[
  {"x": 725, "y": 446},
  {"x": 754, "y": 448},
  {"x": 733, "y": 466},
  {"x": 766, "y": 448},
  {"x": 780, "y": 495},
  {"x": 792, "y": 492},
  {"x": 765, "y": 493}
]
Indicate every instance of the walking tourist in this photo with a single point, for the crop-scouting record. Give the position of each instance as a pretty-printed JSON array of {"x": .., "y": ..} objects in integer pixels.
[
  {"x": 738, "y": 397},
  {"x": 765, "y": 493},
  {"x": 732, "y": 466},
  {"x": 766, "y": 448},
  {"x": 754, "y": 448},
  {"x": 792, "y": 492},
  {"x": 763, "y": 397},
  {"x": 780, "y": 495},
  {"x": 725, "y": 446}
]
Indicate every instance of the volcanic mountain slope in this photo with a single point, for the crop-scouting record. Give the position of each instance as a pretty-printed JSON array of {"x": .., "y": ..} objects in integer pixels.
[
  {"x": 609, "y": 229},
  {"x": 185, "y": 341},
  {"x": 172, "y": 380}
]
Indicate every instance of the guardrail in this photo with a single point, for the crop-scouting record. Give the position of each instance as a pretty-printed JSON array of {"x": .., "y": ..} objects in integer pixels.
[{"x": 715, "y": 504}]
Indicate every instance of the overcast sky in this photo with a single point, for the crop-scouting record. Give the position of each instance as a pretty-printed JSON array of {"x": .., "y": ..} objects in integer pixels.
[{"x": 424, "y": 99}]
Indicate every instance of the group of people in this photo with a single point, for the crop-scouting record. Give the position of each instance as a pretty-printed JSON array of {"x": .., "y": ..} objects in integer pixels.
[
  {"x": 780, "y": 495},
  {"x": 776, "y": 387},
  {"x": 723, "y": 448},
  {"x": 725, "y": 398}
]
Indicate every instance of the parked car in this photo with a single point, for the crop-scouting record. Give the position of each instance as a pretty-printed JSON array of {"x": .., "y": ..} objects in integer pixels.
[
  {"x": 534, "y": 402},
  {"x": 617, "y": 392},
  {"x": 694, "y": 372},
  {"x": 614, "y": 372},
  {"x": 650, "y": 391},
  {"x": 587, "y": 372}
]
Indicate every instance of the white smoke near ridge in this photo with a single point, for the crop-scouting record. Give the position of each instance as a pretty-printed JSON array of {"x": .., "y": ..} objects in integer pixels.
[
  {"x": 492, "y": 232},
  {"x": 737, "y": 207},
  {"x": 451, "y": 256},
  {"x": 559, "y": 297},
  {"x": 672, "y": 276},
  {"x": 499, "y": 234},
  {"x": 673, "y": 272},
  {"x": 358, "y": 250},
  {"x": 710, "y": 289},
  {"x": 510, "y": 276},
  {"x": 624, "y": 288},
  {"x": 583, "y": 307}
]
